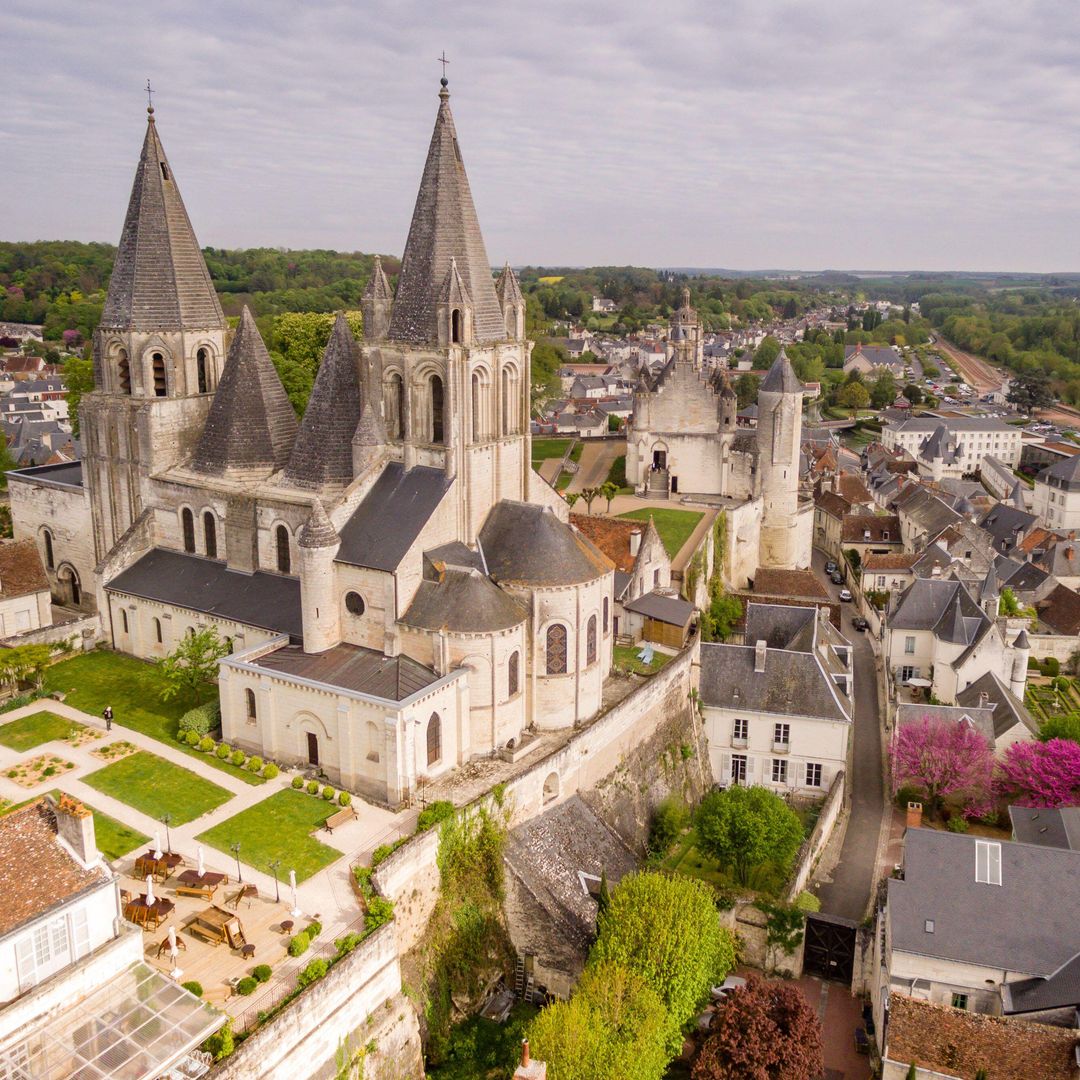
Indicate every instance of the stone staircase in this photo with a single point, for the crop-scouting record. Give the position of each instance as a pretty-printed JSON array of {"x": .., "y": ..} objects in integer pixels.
[{"x": 658, "y": 484}]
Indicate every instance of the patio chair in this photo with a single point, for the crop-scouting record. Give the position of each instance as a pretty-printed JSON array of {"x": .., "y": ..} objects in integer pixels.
[{"x": 245, "y": 892}]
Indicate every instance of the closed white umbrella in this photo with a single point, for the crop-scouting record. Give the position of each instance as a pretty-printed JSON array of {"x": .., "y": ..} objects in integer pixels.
[
  {"x": 295, "y": 913},
  {"x": 174, "y": 952},
  {"x": 150, "y": 890},
  {"x": 202, "y": 868},
  {"x": 157, "y": 845}
]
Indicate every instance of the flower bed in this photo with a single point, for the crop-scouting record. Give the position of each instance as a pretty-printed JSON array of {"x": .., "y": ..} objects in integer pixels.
[{"x": 37, "y": 770}]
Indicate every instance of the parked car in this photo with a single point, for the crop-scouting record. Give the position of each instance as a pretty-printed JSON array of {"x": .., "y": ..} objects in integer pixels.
[
  {"x": 845, "y": 594},
  {"x": 830, "y": 567},
  {"x": 836, "y": 577},
  {"x": 859, "y": 623}
]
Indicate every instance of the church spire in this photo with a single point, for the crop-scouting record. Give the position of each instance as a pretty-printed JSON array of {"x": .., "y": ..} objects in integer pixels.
[
  {"x": 323, "y": 451},
  {"x": 444, "y": 227},
  {"x": 251, "y": 427},
  {"x": 159, "y": 280}
]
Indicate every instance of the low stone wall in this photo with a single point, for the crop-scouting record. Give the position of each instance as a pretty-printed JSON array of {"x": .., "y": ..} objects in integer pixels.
[
  {"x": 82, "y": 633},
  {"x": 305, "y": 1039},
  {"x": 1059, "y": 646},
  {"x": 815, "y": 843},
  {"x": 749, "y": 922}
]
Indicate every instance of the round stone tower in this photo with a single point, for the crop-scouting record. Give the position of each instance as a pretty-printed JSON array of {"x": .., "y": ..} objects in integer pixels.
[
  {"x": 318, "y": 543},
  {"x": 779, "y": 434}
]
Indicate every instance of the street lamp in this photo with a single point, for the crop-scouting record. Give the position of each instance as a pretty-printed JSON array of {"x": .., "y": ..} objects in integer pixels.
[
  {"x": 277, "y": 889},
  {"x": 166, "y": 820},
  {"x": 235, "y": 849}
]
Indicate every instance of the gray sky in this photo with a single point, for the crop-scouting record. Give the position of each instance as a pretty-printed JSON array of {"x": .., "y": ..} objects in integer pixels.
[{"x": 807, "y": 134}]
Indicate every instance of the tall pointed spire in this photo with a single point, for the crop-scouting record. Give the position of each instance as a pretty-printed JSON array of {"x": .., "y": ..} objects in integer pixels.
[
  {"x": 507, "y": 288},
  {"x": 781, "y": 378},
  {"x": 444, "y": 226},
  {"x": 251, "y": 427},
  {"x": 323, "y": 450},
  {"x": 159, "y": 280},
  {"x": 378, "y": 287}
]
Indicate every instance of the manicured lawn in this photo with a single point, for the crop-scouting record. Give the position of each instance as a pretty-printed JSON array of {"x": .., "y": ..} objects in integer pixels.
[
  {"x": 543, "y": 449},
  {"x": 674, "y": 526},
  {"x": 35, "y": 729},
  {"x": 133, "y": 688},
  {"x": 626, "y": 657},
  {"x": 279, "y": 827},
  {"x": 158, "y": 787},
  {"x": 685, "y": 858}
]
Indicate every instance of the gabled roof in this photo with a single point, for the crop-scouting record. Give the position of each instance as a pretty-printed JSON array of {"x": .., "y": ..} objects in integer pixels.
[
  {"x": 894, "y": 560},
  {"x": 780, "y": 625},
  {"x": 251, "y": 426},
  {"x": 444, "y": 227},
  {"x": 882, "y": 528},
  {"x": 322, "y": 453},
  {"x": 159, "y": 279},
  {"x": 1009, "y": 712},
  {"x": 612, "y": 536},
  {"x": 1060, "y": 610},
  {"x": 1046, "y": 826},
  {"x": 1064, "y": 475},
  {"x": 945, "y": 607},
  {"x": 21, "y": 572},
  {"x": 774, "y": 581},
  {"x": 673, "y": 610},
  {"x": 1007, "y": 525}
]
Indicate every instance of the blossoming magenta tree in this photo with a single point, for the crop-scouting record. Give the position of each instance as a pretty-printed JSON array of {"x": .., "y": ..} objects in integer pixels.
[
  {"x": 943, "y": 757},
  {"x": 1041, "y": 774}
]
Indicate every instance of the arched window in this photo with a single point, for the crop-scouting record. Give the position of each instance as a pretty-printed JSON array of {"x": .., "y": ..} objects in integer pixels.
[
  {"x": 605, "y": 615},
  {"x": 50, "y": 558},
  {"x": 475, "y": 406},
  {"x": 373, "y": 741},
  {"x": 189, "y": 632},
  {"x": 437, "y": 426},
  {"x": 249, "y": 702},
  {"x": 123, "y": 371},
  {"x": 123, "y": 620},
  {"x": 513, "y": 673},
  {"x": 456, "y": 327},
  {"x": 210, "y": 533},
  {"x": 187, "y": 524},
  {"x": 434, "y": 739},
  {"x": 284, "y": 556},
  {"x": 158, "y": 362},
  {"x": 590, "y": 641},
  {"x": 395, "y": 407},
  {"x": 556, "y": 649},
  {"x": 157, "y": 631},
  {"x": 202, "y": 361},
  {"x": 507, "y": 402},
  {"x": 73, "y": 584}
]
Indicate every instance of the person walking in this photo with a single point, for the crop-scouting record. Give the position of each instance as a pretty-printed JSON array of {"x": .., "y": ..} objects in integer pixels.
[{"x": 108, "y": 717}]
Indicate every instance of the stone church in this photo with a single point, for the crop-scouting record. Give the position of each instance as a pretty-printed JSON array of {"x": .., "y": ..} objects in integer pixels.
[
  {"x": 684, "y": 439},
  {"x": 400, "y": 591}
]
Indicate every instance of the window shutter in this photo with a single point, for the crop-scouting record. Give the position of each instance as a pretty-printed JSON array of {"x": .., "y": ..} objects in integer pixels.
[
  {"x": 800, "y": 774},
  {"x": 725, "y": 768},
  {"x": 24, "y": 959},
  {"x": 750, "y": 763},
  {"x": 80, "y": 933}
]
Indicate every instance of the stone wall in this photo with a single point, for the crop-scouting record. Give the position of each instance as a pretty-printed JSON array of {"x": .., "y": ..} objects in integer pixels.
[
  {"x": 748, "y": 922},
  {"x": 815, "y": 843},
  {"x": 81, "y": 633}
]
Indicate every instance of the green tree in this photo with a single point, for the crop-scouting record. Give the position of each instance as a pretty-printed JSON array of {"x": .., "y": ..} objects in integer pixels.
[
  {"x": 854, "y": 396},
  {"x": 667, "y": 931},
  {"x": 24, "y": 663},
  {"x": 746, "y": 388},
  {"x": 1060, "y": 727},
  {"x": 883, "y": 389},
  {"x": 608, "y": 491},
  {"x": 744, "y": 827},
  {"x": 590, "y": 495},
  {"x": 192, "y": 665},
  {"x": 913, "y": 393},
  {"x": 79, "y": 380},
  {"x": 6, "y": 462},
  {"x": 766, "y": 353},
  {"x": 1030, "y": 390}
]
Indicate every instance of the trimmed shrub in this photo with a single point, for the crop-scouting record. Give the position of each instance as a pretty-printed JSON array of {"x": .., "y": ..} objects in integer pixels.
[
  {"x": 1033, "y": 663},
  {"x": 223, "y": 750},
  {"x": 314, "y": 928},
  {"x": 270, "y": 770},
  {"x": 363, "y": 879},
  {"x": 379, "y": 911},
  {"x": 344, "y": 798},
  {"x": 298, "y": 945},
  {"x": 346, "y": 944},
  {"x": 238, "y": 757},
  {"x": 202, "y": 719},
  {"x": 193, "y": 988},
  {"x": 247, "y": 985},
  {"x": 328, "y": 793},
  {"x": 297, "y": 782},
  {"x": 312, "y": 973},
  {"x": 206, "y": 744},
  {"x": 254, "y": 763},
  {"x": 221, "y": 1044},
  {"x": 957, "y": 824},
  {"x": 192, "y": 738},
  {"x": 434, "y": 815},
  {"x": 313, "y": 787},
  {"x": 670, "y": 818},
  {"x": 1051, "y": 666},
  {"x": 262, "y": 973}
]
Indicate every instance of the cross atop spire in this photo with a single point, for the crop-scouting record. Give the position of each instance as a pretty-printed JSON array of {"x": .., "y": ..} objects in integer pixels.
[
  {"x": 149, "y": 98},
  {"x": 444, "y": 62}
]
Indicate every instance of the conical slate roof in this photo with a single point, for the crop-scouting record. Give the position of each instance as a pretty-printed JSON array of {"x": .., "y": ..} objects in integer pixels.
[
  {"x": 370, "y": 431},
  {"x": 989, "y": 589},
  {"x": 318, "y": 531},
  {"x": 322, "y": 453},
  {"x": 781, "y": 378},
  {"x": 507, "y": 288},
  {"x": 378, "y": 288},
  {"x": 444, "y": 226},
  {"x": 159, "y": 280},
  {"x": 454, "y": 290},
  {"x": 251, "y": 427}
]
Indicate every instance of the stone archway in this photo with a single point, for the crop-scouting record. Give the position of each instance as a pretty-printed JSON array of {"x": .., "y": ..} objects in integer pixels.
[
  {"x": 551, "y": 788},
  {"x": 68, "y": 586}
]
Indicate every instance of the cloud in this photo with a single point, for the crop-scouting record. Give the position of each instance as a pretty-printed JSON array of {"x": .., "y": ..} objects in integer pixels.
[{"x": 821, "y": 133}]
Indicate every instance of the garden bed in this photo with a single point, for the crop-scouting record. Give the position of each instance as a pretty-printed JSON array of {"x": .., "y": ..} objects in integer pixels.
[
  {"x": 42, "y": 727},
  {"x": 114, "y": 751},
  {"x": 37, "y": 770}
]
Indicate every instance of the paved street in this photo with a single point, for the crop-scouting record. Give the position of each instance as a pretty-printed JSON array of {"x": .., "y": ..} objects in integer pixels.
[
  {"x": 597, "y": 457},
  {"x": 848, "y": 891}
]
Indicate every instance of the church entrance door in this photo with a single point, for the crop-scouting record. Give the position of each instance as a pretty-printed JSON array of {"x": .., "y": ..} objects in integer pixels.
[
  {"x": 312, "y": 748},
  {"x": 659, "y": 459}
]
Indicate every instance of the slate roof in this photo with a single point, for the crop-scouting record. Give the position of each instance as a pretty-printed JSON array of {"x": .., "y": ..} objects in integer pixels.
[
  {"x": 781, "y": 377},
  {"x": 464, "y": 602},
  {"x": 1060, "y": 610},
  {"x": 444, "y": 227},
  {"x": 981, "y": 718},
  {"x": 1006, "y": 524},
  {"x": 1057, "y": 827},
  {"x": 525, "y": 543},
  {"x": 1018, "y": 576},
  {"x": 780, "y": 626},
  {"x": 454, "y": 555},
  {"x": 1063, "y": 475},
  {"x": 792, "y": 684},
  {"x": 21, "y": 572},
  {"x": 37, "y": 873},
  {"x": 159, "y": 280},
  {"x": 1008, "y": 926},
  {"x": 390, "y": 517},
  {"x": 954, "y": 423},
  {"x": 322, "y": 453},
  {"x": 251, "y": 426},
  {"x": 1009, "y": 712},
  {"x": 945, "y": 607},
  {"x": 269, "y": 601},
  {"x": 393, "y": 678},
  {"x": 318, "y": 531},
  {"x": 1057, "y": 991},
  {"x": 673, "y": 610}
]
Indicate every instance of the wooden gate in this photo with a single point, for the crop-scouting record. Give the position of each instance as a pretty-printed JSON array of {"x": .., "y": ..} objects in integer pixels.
[{"x": 829, "y": 952}]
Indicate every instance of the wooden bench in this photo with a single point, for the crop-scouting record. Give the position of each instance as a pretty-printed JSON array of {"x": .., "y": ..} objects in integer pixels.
[
  {"x": 346, "y": 813},
  {"x": 204, "y": 892},
  {"x": 204, "y": 933}
]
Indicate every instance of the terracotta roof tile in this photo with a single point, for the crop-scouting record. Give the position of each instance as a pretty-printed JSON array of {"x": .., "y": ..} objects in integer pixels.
[
  {"x": 854, "y": 527},
  {"x": 21, "y": 571},
  {"x": 611, "y": 536},
  {"x": 1060, "y": 610},
  {"x": 895, "y": 560},
  {"x": 802, "y": 583}
]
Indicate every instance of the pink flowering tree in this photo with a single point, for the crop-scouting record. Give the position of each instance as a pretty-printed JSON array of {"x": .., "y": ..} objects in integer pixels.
[
  {"x": 943, "y": 757},
  {"x": 1041, "y": 773}
]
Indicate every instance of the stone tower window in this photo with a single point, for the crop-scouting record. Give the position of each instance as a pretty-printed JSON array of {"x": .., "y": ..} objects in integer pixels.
[
  {"x": 160, "y": 387},
  {"x": 456, "y": 331},
  {"x": 434, "y": 739},
  {"x": 50, "y": 557},
  {"x": 437, "y": 426},
  {"x": 590, "y": 641},
  {"x": 251, "y": 708},
  {"x": 210, "y": 534},
  {"x": 157, "y": 631},
  {"x": 556, "y": 649},
  {"x": 202, "y": 360},
  {"x": 513, "y": 673},
  {"x": 475, "y": 407},
  {"x": 605, "y": 615},
  {"x": 187, "y": 524},
  {"x": 123, "y": 370},
  {"x": 395, "y": 406},
  {"x": 284, "y": 556}
]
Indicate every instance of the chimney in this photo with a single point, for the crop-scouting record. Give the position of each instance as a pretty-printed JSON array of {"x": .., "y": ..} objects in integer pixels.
[
  {"x": 760, "y": 649},
  {"x": 75, "y": 826},
  {"x": 984, "y": 699},
  {"x": 914, "y": 815},
  {"x": 529, "y": 1069},
  {"x": 635, "y": 542}
]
